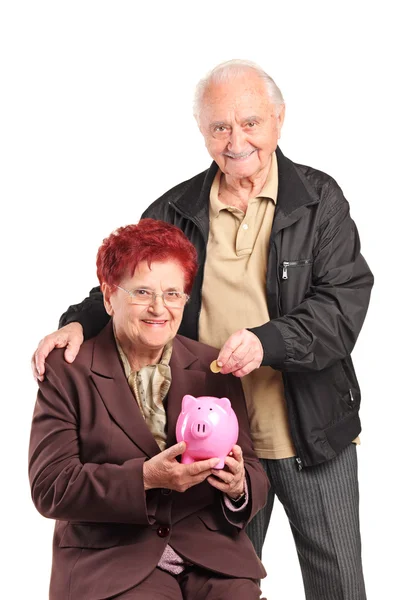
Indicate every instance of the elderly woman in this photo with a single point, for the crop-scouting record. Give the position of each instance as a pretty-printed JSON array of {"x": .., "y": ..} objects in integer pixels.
[{"x": 132, "y": 521}]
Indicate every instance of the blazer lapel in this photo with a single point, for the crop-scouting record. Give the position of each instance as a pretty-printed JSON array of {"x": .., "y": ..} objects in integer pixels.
[
  {"x": 109, "y": 378},
  {"x": 188, "y": 377}
]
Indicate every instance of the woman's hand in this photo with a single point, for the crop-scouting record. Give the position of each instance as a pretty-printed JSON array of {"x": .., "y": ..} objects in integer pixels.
[
  {"x": 231, "y": 479},
  {"x": 164, "y": 471}
]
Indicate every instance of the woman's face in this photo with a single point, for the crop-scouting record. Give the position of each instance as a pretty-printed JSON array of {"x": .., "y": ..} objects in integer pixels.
[{"x": 146, "y": 327}]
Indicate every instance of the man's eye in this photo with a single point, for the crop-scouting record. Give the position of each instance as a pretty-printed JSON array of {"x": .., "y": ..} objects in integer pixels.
[
  {"x": 220, "y": 128},
  {"x": 251, "y": 124}
]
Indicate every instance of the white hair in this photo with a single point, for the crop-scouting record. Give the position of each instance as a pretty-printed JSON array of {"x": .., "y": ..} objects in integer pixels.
[{"x": 228, "y": 70}]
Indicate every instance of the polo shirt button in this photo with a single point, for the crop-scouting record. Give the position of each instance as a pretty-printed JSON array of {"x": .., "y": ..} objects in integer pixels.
[
  {"x": 163, "y": 531},
  {"x": 245, "y": 226}
]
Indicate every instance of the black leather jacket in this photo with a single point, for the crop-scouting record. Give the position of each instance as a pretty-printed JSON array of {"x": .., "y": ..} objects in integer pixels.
[{"x": 318, "y": 290}]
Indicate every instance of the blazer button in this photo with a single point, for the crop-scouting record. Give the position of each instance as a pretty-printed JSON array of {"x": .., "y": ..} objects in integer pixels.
[
  {"x": 163, "y": 531},
  {"x": 166, "y": 491}
]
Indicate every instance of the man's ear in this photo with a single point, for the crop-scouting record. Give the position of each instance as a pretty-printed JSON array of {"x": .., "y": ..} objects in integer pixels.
[
  {"x": 280, "y": 119},
  {"x": 106, "y": 289}
]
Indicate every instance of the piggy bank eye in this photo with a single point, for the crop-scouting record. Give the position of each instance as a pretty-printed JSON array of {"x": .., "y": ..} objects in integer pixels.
[
  {"x": 198, "y": 408},
  {"x": 210, "y": 408}
]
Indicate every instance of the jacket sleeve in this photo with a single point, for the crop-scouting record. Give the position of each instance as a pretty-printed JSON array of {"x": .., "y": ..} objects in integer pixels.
[
  {"x": 324, "y": 327},
  {"x": 62, "y": 486},
  {"x": 256, "y": 479},
  {"x": 90, "y": 313}
]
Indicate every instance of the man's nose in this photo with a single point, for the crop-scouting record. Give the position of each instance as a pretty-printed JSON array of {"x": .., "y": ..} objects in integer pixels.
[{"x": 237, "y": 140}]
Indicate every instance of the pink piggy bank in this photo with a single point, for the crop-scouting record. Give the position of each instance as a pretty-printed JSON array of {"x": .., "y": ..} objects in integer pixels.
[{"x": 209, "y": 427}]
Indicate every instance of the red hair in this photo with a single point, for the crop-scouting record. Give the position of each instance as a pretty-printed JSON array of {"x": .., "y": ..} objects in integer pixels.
[{"x": 149, "y": 240}]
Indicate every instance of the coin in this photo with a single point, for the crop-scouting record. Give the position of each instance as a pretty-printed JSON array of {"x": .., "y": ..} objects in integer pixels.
[{"x": 214, "y": 367}]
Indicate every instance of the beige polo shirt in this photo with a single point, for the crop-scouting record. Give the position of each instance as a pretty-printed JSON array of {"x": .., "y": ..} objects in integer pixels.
[{"x": 234, "y": 297}]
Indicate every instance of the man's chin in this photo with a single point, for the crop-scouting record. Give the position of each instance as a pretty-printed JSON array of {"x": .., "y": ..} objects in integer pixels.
[
  {"x": 242, "y": 168},
  {"x": 242, "y": 171}
]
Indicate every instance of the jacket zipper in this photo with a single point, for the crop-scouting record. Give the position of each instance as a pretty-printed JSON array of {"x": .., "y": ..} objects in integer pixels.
[
  {"x": 293, "y": 263},
  {"x": 296, "y": 441}
]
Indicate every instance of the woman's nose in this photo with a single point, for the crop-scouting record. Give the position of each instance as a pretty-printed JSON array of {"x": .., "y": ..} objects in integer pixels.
[{"x": 157, "y": 303}]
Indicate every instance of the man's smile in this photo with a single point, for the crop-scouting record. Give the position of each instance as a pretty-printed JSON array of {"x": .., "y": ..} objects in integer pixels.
[{"x": 241, "y": 156}]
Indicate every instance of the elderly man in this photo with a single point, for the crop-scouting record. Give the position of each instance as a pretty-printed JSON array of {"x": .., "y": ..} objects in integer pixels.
[{"x": 283, "y": 290}]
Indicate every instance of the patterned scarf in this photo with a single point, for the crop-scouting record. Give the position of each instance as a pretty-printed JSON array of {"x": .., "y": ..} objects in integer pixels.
[{"x": 150, "y": 386}]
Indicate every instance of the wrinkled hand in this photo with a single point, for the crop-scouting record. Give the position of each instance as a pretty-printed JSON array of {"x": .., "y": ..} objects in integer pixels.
[
  {"x": 69, "y": 337},
  {"x": 241, "y": 354},
  {"x": 231, "y": 479},
  {"x": 164, "y": 471}
]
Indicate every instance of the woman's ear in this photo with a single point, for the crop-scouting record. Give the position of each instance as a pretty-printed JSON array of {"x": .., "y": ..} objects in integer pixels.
[{"x": 106, "y": 289}]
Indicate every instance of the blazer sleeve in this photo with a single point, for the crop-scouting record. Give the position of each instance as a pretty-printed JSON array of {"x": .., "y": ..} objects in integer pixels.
[
  {"x": 257, "y": 481},
  {"x": 90, "y": 313},
  {"x": 62, "y": 486}
]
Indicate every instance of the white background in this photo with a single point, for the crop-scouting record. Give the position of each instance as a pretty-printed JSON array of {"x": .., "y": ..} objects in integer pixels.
[{"x": 96, "y": 123}]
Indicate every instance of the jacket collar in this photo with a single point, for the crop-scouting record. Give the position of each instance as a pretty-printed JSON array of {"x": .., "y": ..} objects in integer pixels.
[
  {"x": 294, "y": 193},
  {"x": 293, "y": 188},
  {"x": 188, "y": 377},
  {"x": 194, "y": 203}
]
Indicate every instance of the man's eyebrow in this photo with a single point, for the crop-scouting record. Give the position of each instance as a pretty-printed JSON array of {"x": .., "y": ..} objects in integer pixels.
[
  {"x": 252, "y": 118},
  {"x": 245, "y": 120},
  {"x": 217, "y": 124}
]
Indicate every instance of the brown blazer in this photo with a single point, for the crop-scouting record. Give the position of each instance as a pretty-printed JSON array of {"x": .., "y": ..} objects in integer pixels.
[{"x": 88, "y": 444}]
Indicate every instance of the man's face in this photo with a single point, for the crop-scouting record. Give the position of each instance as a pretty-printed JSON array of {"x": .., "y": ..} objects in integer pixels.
[{"x": 240, "y": 126}]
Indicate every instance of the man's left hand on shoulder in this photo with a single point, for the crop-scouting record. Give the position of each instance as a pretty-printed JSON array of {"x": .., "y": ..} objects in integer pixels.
[{"x": 241, "y": 354}]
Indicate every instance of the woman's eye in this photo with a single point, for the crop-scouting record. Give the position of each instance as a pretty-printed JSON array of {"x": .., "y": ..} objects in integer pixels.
[
  {"x": 143, "y": 293},
  {"x": 173, "y": 294}
]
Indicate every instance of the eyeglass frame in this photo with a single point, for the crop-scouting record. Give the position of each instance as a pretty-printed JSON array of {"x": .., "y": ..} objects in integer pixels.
[{"x": 154, "y": 296}]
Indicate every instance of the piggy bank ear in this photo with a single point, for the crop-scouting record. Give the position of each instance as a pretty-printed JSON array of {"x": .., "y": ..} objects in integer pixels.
[
  {"x": 224, "y": 403},
  {"x": 187, "y": 402}
]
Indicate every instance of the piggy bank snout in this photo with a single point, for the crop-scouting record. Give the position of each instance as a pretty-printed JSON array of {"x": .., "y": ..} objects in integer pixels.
[{"x": 200, "y": 428}]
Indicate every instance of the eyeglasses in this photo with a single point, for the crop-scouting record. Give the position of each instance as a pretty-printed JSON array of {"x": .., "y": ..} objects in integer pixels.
[{"x": 171, "y": 298}]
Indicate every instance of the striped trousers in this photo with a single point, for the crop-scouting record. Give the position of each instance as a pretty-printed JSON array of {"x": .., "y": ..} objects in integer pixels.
[{"x": 321, "y": 503}]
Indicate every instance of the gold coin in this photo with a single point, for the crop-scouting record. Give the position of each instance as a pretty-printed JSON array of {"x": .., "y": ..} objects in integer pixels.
[{"x": 214, "y": 367}]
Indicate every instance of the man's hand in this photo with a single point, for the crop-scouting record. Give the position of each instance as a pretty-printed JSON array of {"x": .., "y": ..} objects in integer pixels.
[
  {"x": 69, "y": 337},
  {"x": 231, "y": 479},
  {"x": 164, "y": 471},
  {"x": 241, "y": 354}
]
